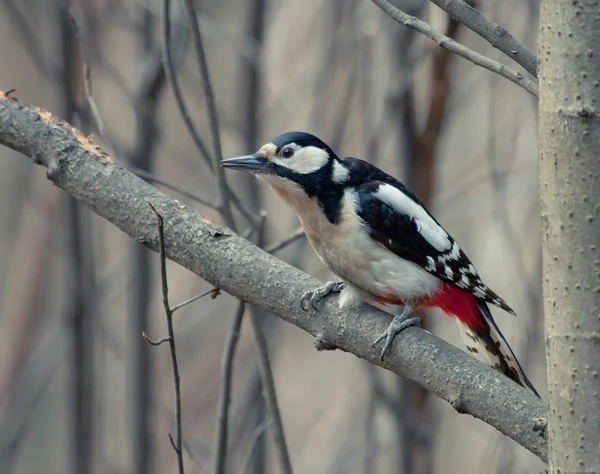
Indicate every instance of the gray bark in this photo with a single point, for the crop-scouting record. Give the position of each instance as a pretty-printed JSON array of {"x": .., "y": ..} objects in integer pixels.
[
  {"x": 569, "y": 132},
  {"x": 233, "y": 264}
]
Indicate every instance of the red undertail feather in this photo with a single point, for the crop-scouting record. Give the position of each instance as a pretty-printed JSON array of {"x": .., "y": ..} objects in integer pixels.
[
  {"x": 480, "y": 332},
  {"x": 459, "y": 304}
]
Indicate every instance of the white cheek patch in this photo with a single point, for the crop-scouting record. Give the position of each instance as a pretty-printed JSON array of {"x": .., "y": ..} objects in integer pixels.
[
  {"x": 305, "y": 161},
  {"x": 429, "y": 229},
  {"x": 340, "y": 173}
]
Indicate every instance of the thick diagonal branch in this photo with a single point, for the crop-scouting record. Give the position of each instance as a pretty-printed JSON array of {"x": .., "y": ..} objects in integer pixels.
[{"x": 233, "y": 264}]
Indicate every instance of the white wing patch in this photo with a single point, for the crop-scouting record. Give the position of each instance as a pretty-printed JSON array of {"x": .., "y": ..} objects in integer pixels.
[
  {"x": 340, "y": 173},
  {"x": 305, "y": 160},
  {"x": 452, "y": 255},
  {"x": 427, "y": 227}
]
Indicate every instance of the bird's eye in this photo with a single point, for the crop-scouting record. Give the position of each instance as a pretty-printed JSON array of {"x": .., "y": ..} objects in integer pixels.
[{"x": 287, "y": 152}]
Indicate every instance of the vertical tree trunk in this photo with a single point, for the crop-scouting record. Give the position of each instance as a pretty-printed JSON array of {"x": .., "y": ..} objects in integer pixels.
[{"x": 569, "y": 134}]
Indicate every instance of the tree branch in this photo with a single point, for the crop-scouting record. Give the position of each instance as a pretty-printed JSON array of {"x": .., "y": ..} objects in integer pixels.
[
  {"x": 494, "y": 34},
  {"x": 457, "y": 48},
  {"x": 231, "y": 263}
]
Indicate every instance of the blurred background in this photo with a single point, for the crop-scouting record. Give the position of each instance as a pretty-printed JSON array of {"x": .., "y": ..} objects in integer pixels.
[{"x": 80, "y": 390}]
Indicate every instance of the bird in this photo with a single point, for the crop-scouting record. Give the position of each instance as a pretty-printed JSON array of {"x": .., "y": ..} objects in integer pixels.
[{"x": 382, "y": 243}]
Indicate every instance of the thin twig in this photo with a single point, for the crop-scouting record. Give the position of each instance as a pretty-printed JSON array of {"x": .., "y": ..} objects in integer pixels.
[
  {"x": 170, "y": 338},
  {"x": 223, "y": 191},
  {"x": 227, "y": 374},
  {"x": 211, "y": 292},
  {"x": 290, "y": 239},
  {"x": 495, "y": 35},
  {"x": 457, "y": 48},
  {"x": 154, "y": 342}
]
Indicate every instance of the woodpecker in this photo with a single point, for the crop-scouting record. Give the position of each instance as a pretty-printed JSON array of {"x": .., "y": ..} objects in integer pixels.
[{"x": 385, "y": 246}]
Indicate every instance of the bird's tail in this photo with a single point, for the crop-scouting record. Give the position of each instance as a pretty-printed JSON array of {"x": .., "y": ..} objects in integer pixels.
[{"x": 487, "y": 342}]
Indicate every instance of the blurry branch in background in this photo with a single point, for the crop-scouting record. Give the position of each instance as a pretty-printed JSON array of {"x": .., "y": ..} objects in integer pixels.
[
  {"x": 231, "y": 263},
  {"x": 152, "y": 178},
  {"x": 220, "y": 454},
  {"x": 82, "y": 266},
  {"x": 171, "y": 73},
  {"x": 223, "y": 191},
  {"x": 256, "y": 435},
  {"x": 495, "y": 35},
  {"x": 147, "y": 97},
  {"x": 289, "y": 240},
  {"x": 267, "y": 381},
  {"x": 174, "y": 83},
  {"x": 411, "y": 407},
  {"x": 225, "y": 196},
  {"x": 457, "y": 48},
  {"x": 28, "y": 37},
  {"x": 170, "y": 339},
  {"x": 428, "y": 140},
  {"x": 76, "y": 16}
]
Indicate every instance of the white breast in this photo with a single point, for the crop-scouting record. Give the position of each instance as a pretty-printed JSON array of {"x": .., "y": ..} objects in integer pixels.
[{"x": 354, "y": 256}]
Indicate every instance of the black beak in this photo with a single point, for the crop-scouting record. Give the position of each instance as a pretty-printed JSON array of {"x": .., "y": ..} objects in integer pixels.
[{"x": 253, "y": 163}]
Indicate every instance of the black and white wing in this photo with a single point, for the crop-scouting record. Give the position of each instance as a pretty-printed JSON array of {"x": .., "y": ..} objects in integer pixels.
[{"x": 397, "y": 220}]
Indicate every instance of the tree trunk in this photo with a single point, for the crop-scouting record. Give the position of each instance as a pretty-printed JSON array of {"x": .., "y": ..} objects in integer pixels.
[{"x": 569, "y": 134}]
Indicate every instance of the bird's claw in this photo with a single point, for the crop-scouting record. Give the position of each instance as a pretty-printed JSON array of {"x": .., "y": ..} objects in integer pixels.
[
  {"x": 313, "y": 297},
  {"x": 399, "y": 323}
]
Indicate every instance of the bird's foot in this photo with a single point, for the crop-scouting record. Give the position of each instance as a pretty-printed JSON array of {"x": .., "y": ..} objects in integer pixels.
[
  {"x": 313, "y": 297},
  {"x": 400, "y": 322}
]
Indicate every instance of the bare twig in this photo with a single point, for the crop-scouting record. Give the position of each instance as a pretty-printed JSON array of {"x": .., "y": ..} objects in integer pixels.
[
  {"x": 457, "y": 48},
  {"x": 223, "y": 191},
  {"x": 154, "y": 342},
  {"x": 289, "y": 240},
  {"x": 226, "y": 377},
  {"x": 227, "y": 261},
  {"x": 170, "y": 339},
  {"x": 494, "y": 34},
  {"x": 192, "y": 299}
]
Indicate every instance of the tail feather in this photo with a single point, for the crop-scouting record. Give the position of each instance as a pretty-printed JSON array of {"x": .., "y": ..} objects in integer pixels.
[{"x": 487, "y": 342}]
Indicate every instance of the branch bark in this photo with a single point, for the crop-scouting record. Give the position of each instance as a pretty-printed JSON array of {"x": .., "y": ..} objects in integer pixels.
[{"x": 231, "y": 263}]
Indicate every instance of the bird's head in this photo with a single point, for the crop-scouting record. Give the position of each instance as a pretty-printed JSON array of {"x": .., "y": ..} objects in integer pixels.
[{"x": 294, "y": 162}]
